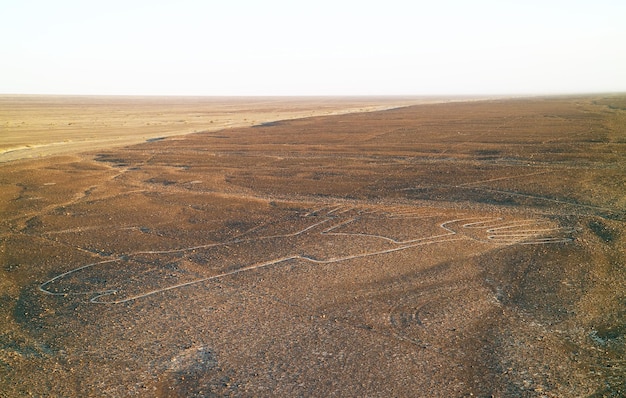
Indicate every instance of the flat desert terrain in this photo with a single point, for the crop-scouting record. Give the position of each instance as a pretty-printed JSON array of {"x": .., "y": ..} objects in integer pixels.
[
  {"x": 435, "y": 250},
  {"x": 34, "y": 126}
]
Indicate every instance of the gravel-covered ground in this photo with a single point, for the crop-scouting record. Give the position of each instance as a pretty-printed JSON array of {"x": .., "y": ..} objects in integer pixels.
[{"x": 439, "y": 250}]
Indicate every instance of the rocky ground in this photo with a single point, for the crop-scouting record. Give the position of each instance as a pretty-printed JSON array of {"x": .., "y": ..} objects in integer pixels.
[{"x": 439, "y": 250}]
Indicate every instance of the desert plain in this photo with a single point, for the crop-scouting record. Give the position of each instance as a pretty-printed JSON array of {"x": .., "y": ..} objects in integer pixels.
[{"x": 451, "y": 249}]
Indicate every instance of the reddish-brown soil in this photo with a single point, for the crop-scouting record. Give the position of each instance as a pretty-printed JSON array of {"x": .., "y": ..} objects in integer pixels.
[{"x": 439, "y": 250}]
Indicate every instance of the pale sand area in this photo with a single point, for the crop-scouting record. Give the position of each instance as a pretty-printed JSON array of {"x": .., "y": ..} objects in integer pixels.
[{"x": 35, "y": 126}]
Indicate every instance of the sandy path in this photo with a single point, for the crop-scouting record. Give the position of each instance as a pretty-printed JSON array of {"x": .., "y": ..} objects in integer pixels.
[{"x": 39, "y": 126}]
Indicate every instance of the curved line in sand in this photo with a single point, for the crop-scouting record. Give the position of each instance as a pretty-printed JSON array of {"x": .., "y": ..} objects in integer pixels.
[{"x": 511, "y": 236}]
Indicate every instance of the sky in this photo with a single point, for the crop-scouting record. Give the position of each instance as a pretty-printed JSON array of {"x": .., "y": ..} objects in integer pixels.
[{"x": 321, "y": 47}]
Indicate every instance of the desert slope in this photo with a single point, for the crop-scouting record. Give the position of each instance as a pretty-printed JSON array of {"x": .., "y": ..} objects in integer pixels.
[{"x": 439, "y": 250}]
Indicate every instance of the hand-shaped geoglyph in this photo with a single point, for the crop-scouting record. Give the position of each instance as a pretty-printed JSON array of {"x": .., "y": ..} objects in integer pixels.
[
  {"x": 324, "y": 236},
  {"x": 499, "y": 231}
]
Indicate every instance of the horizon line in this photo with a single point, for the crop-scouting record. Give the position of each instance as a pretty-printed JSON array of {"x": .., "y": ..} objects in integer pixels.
[{"x": 431, "y": 95}]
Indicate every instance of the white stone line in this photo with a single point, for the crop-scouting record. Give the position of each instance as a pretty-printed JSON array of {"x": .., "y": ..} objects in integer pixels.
[
  {"x": 233, "y": 241},
  {"x": 255, "y": 267},
  {"x": 451, "y": 235},
  {"x": 398, "y": 242},
  {"x": 483, "y": 223},
  {"x": 517, "y": 223},
  {"x": 73, "y": 230},
  {"x": 42, "y": 287},
  {"x": 546, "y": 241},
  {"x": 467, "y": 184},
  {"x": 337, "y": 209},
  {"x": 406, "y": 245},
  {"x": 547, "y": 199},
  {"x": 512, "y": 233},
  {"x": 395, "y": 249},
  {"x": 165, "y": 289},
  {"x": 316, "y": 211},
  {"x": 534, "y": 232}
]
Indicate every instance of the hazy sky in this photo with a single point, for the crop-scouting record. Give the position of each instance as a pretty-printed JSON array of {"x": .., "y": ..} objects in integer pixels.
[{"x": 321, "y": 47}]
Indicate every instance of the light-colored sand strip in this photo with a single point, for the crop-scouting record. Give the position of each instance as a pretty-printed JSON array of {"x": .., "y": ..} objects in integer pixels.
[{"x": 40, "y": 126}]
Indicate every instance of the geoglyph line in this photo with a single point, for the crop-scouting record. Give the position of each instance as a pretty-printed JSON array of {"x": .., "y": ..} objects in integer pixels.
[
  {"x": 489, "y": 230},
  {"x": 467, "y": 184}
]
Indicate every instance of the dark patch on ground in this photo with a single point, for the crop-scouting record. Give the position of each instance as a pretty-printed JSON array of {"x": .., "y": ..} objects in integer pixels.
[
  {"x": 195, "y": 373},
  {"x": 603, "y": 231},
  {"x": 267, "y": 124}
]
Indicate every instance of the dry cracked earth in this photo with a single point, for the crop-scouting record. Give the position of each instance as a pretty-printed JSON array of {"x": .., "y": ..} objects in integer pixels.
[{"x": 439, "y": 250}]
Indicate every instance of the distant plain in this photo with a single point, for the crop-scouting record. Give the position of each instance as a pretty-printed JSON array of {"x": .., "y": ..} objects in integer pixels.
[{"x": 32, "y": 126}]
